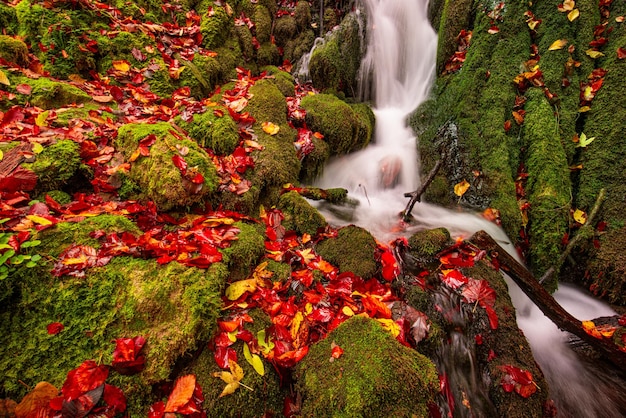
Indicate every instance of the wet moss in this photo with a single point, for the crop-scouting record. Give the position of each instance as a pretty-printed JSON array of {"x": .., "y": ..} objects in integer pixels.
[
  {"x": 429, "y": 242},
  {"x": 13, "y": 50},
  {"x": 159, "y": 179},
  {"x": 282, "y": 79},
  {"x": 263, "y": 23},
  {"x": 244, "y": 253},
  {"x": 268, "y": 54},
  {"x": 302, "y": 16},
  {"x": 313, "y": 163},
  {"x": 300, "y": 216},
  {"x": 344, "y": 129},
  {"x": 375, "y": 376},
  {"x": 120, "y": 47},
  {"x": 244, "y": 36},
  {"x": 285, "y": 28},
  {"x": 295, "y": 48},
  {"x": 56, "y": 165},
  {"x": 49, "y": 94},
  {"x": 352, "y": 250},
  {"x": 454, "y": 17},
  {"x": 201, "y": 75},
  {"x": 8, "y": 19},
  {"x": 65, "y": 116},
  {"x": 216, "y": 28},
  {"x": 59, "y": 196}
]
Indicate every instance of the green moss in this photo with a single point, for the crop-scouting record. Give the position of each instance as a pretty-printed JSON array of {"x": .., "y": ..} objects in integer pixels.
[
  {"x": 244, "y": 253},
  {"x": 32, "y": 19},
  {"x": 345, "y": 128},
  {"x": 49, "y": 94},
  {"x": 285, "y": 28},
  {"x": 120, "y": 47},
  {"x": 296, "y": 47},
  {"x": 375, "y": 376},
  {"x": 267, "y": 104},
  {"x": 8, "y": 19},
  {"x": 159, "y": 80},
  {"x": 56, "y": 165},
  {"x": 58, "y": 195},
  {"x": 268, "y": 54},
  {"x": 66, "y": 115},
  {"x": 299, "y": 214},
  {"x": 244, "y": 36},
  {"x": 230, "y": 56},
  {"x": 263, "y": 23},
  {"x": 302, "y": 15},
  {"x": 201, "y": 75},
  {"x": 220, "y": 134},
  {"x": 454, "y": 17},
  {"x": 215, "y": 29},
  {"x": 429, "y": 242},
  {"x": 159, "y": 179},
  {"x": 548, "y": 186},
  {"x": 282, "y": 79},
  {"x": 313, "y": 163},
  {"x": 352, "y": 250},
  {"x": 13, "y": 50},
  {"x": 281, "y": 271}
]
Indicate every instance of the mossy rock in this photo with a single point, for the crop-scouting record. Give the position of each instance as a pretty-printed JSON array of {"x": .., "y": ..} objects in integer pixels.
[
  {"x": 266, "y": 396},
  {"x": 302, "y": 15},
  {"x": 8, "y": 19},
  {"x": 300, "y": 216},
  {"x": 215, "y": 29},
  {"x": 244, "y": 253},
  {"x": 49, "y": 94},
  {"x": 201, "y": 75},
  {"x": 296, "y": 47},
  {"x": 159, "y": 179},
  {"x": 268, "y": 54},
  {"x": 427, "y": 243},
  {"x": 263, "y": 23},
  {"x": 285, "y": 28},
  {"x": 375, "y": 376},
  {"x": 13, "y": 50},
  {"x": 120, "y": 47},
  {"x": 282, "y": 79},
  {"x": 244, "y": 36},
  {"x": 313, "y": 163},
  {"x": 352, "y": 250},
  {"x": 66, "y": 115},
  {"x": 335, "y": 64},
  {"x": 174, "y": 307},
  {"x": 159, "y": 79},
  {"x": 56, "y": 165},
  {"x": 220, "y": 134},
  {"x": 344, "y": 129}
]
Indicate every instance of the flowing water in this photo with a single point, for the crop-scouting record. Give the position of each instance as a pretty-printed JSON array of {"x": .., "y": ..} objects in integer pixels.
[{"x": 396, "y": 74}]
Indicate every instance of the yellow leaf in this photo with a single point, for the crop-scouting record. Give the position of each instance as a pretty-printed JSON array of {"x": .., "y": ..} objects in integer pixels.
[
  {"x": 231, "y": 378},
  {"x": 461, "y": 188},
  {"x": 567, "y": 5},
  {"x": 306, "y": 255},
  {"x": 583, "y": 141},
  {"x": 4, "y": 79},
  {"x": 588, "y": 93},
  {"x": 584, "y": 109},
  {"x": 347, "y": 311},
  {"x": 594, "y": 54},
  {"x": 254, "y": 360},
  {"x": 295, "y": 324},
  {"x": 232, "y": 336},
  {"x": 264, "y": 344},
  {"x": 37, "y": 148},
  {"x": 270, "y": 128},
  {"x": 573, "y": 15},
  {"x": 75, "y": 260},
  {"x": 558, "y": 44},
  {"x": 41, "y": 118},
  {"x": 121, "y": 65},
  {"x": 238, "y": 288},
  {"x": 580, "y": 216},
  {"x": 390, "y": 326},
  {"x": 1, "y": 155},
  {"x": 619, "y": 19},
  {"x": 39, "y": 220}
]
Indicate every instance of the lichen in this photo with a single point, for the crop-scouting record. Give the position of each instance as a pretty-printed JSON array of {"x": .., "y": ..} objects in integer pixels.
[
  {"x": 352, "y": 250},
  {"x": 375, "y": 375}
]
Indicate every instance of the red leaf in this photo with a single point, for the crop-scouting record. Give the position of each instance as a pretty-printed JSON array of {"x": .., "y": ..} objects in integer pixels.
[
  {"x": 21, "y": 179},
  {"x": 14, "y": 114},
  {"x": 55, "y": 327},
  {"x": 621, "y": 53},
  {"x": 114, "y": 397},
  {"x": 479, "y": 291},
  {"x": 197, "y": 179},
  {"x": 127, "y": 357},
  {"x": 83, "y": 379},
  {"x": 336, "y": 352},
  {"x": 454, "y": 279},
  {"x": 181, "y": 394},
  {"x": 519, "y": 380},
  {"x": 180, "y": 163},
  {"x": 391, "y": 270},
  {"x": 24, "y": 89},
  {"x": 223, "y": 354}
]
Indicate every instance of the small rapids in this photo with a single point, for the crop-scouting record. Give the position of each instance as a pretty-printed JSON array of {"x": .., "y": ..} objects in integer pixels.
[{"x": 396, "y": 73}]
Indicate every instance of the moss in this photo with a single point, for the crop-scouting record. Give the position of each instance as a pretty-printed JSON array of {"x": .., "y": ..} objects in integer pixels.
[
  {"x": 330, "y": 19},
  {"x": 120, "y": 47},
  {"x": 282, "y": 79},
  {"x": 313, "y": 163},
  {"x": 375, "y": 376},
  {"x": 158, "y": 177},
  {"x": 266, "y": 397},
  {"x": 344, "y": 129},
  {"x": 230, "y": 56},
  {"x": 244, "y": 36},
  {"x": 267, "y": 104},
  {"x": 352, "y": 250},
  {"x": 429, "y": 242},
  {"x": 56, "y": 165},
  {"x": 548, "y": 187},
  {"x": 455, "y": 16},
  {"x": 59, "y": 196},
  {"x": 8, "y": 19},
  {"x": 66, "y": 115},
  {"x": 244, "y": 253},
  {"x": 263, "y": 23},
  {"x": 215, "y": 29},
  {"x": 285, "y": 28},
  {"x": 159, "y": 79},
  {"x": 281, "y": 271},
  {"x": 201, "y": 75},
  {"x": 302, "y": 15},
  {"x": 220, "y": 134},
  {"x": 49, "y": 94},
  {"x": 13, "y": 50},
  {"x": 295, "y": 48},
  {"x": 268, "y": 54},
  {"x": 300, "y": 216},
  {"x": 32, "y": 19}
]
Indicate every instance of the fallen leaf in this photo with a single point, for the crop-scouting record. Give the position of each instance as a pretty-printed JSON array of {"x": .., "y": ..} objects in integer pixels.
[
  {"x": 232, "y": 378},
  {"x": 573, "y": 15},
  {"x": 493, "y": 30},
  {"x": 24, "y": 89},
  {"x": 37, "y": 402},
  {"x": 335, "y": 351},
  {"x": 40, "y": 119},
  {"x": 580, "y": 216},
  {"x": 270, "y": 128},
  {"x": 558, "y": 44},
  {"x": 236, "y": 289},
  {"x": 181, "y": 394},
  {"x": 254, "y": 360},
  {"x": 4, "y": 79},
  {"x": 461, "y": 188},
  {"x": 518, "y": 380},
  {"x": 594, "y": 54},
  {"x": 566, "y": 6},
  {"x": 583, "y": 141},
  {"x": 621, "y": 53},
  {"x": 54, "y": 328},
  {"x": 121, "y": 65}
]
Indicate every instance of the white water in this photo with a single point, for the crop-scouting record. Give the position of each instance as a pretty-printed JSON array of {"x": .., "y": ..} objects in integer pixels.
[{"x": 400, "y": 60}]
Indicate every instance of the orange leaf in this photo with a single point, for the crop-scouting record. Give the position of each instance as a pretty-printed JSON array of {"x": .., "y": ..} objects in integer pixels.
[
  {"x": 121, "y": 65},
  {"x": 270, "y": 128},
  {"x": 461, "y": 188},
  {"x": 181, "y": 394},
  {"x": 37, "y": 402}
]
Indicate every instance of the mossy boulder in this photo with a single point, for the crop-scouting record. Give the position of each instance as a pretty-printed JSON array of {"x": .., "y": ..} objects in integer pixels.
[
  {"x": 345, "y": 128},
  {"x": 285, "y": 28},
  {"x": 56, "y": 165},
  {"x": 215, "y": 28},
  {"x": 8, "y": 19},
  {"x": 300, "y": 216},
  {"x": 335, "y": 63},
  {"x": 296, "y": 47},
  {"x": 219, "y": 133},
  {"x": 174, "y": 307},
  {"x": 268, "y": 54},
  {"x": 352, "y": 250},
  {"x": 13, "y": 50},
  {"x": 49, "y": 94},
  {"x": 282, "y": 79},
  {"x": 243, "y": 254},
  {"x": 160, "y": 180},
  {"x": 302, "y": 15},
  {"x": 375, "y": 375},
  {"x": 313, "y": 163},
  {"x": 263, "y": 23}
]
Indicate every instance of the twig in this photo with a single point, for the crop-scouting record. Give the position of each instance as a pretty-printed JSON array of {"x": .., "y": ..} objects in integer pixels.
[
  {"x": 416, "y": 196},
  {"x": 574, "y": 241}
]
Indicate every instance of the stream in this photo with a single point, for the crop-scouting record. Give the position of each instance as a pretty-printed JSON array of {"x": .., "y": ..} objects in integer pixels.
[{"x": 398, "y": 69}]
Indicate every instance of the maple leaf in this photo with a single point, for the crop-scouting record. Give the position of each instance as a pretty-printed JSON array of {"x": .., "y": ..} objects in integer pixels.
[
  {"x": 232, "y": 378},
  {"x": 181, "y": 394},
  {"x": 519, "y": 380},
  {"x": 480, "y": 292}
]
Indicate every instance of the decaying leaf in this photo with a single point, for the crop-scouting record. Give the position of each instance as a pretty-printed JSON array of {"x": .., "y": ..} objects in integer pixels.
[
  {"x": 594, "y": 54},
  {"x": 37, "y": 402},
  {"x": 573, "y": 15},
  {"x": 236, "y": 289}
]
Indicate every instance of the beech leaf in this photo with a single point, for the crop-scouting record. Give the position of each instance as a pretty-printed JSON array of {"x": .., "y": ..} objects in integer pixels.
[
  {"x": 558, "y": 44},
  {"x": 232, "y": 378},
  {"x": 37, "y": 402},
  {"x": 461, "y": 188},
  {"x": 254, "y": 360},
  {"x": 270, "y": 128},
  {"x": 573, "y": 15},
  {"x": 236, "y": 289}
]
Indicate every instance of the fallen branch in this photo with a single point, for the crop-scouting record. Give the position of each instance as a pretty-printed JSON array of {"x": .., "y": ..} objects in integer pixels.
[
  {"x": 574, "y": 241},
  {"x": 416, "y": 196},
  {"x": 545, "y": 302}
]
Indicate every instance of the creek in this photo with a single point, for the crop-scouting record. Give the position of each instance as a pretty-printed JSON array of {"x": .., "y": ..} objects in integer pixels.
[{"x": 397, "y": 73}]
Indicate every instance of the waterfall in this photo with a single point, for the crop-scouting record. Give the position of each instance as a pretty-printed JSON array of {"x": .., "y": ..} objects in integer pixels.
[{"x": 398, "y": 70}]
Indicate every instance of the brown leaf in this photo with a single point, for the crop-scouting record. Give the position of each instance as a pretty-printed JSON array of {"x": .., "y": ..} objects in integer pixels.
[{"x": 37, "y": 402}]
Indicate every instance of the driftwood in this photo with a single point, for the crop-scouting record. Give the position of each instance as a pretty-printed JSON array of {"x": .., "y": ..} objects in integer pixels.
[
  {"x": 546, "y": 302},
  {"x": 416, "y": 196},
  {"x": 13, "y": 158}
]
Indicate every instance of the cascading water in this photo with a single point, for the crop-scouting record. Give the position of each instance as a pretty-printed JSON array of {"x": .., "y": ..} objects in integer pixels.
[{"x": 399, "y": 68}]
